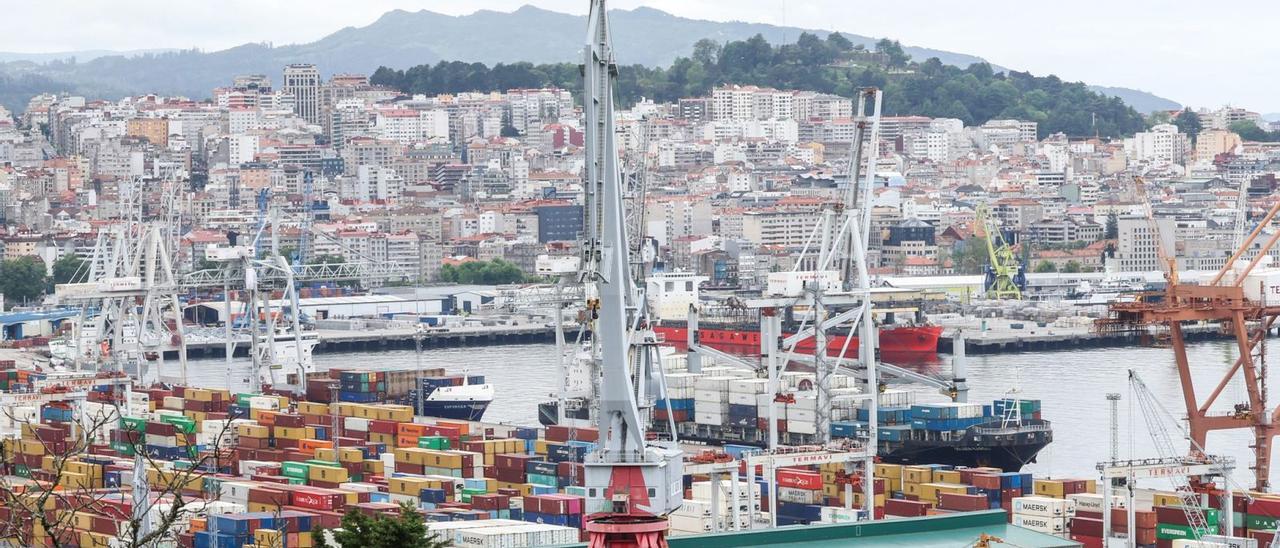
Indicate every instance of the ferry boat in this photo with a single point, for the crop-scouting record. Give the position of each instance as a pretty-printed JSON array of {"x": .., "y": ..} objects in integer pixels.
[{"x": 461, "y": 397}]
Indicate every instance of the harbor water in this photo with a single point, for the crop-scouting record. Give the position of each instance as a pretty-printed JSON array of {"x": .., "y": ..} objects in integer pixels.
[{"x": 1072, "y": 385}]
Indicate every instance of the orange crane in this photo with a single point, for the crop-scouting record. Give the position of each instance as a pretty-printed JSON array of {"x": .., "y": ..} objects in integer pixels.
[
  {"x": 1247, "y": 307},
  {"x": 1168, "y": 259}
]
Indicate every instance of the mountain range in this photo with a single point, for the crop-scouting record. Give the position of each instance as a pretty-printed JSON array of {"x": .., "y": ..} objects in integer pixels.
[{"x": 401, "y": 39}]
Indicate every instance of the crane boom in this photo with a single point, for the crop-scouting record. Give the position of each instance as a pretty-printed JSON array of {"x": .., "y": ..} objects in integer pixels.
[{"x": 632, "y": 483}]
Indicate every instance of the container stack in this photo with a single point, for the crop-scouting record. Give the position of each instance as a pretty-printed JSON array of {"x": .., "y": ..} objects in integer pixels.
[
  {"x": 711, "y": 400},
  {"x": 1172, "y": 523},
  {"x": 1043, "y": 514},
  {"x": 362, "y": 386}
]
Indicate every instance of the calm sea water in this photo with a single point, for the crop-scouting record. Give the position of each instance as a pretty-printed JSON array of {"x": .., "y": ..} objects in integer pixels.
[{"x": 1072, "y": 385}]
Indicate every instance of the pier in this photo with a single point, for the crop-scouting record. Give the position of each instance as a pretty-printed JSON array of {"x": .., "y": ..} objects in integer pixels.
[
  {"x": 332, "y": 340},
  {"x": 999, "y": 335}
]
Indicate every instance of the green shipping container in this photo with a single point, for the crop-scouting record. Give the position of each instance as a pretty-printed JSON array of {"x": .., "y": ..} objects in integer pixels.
[
  {"x": 1259, "y": 521},
  {"x": 1169, "y": 531},
  {"x": 243, "y": 399},
  {"x": 329, "y": 463},
  {"x": 438, "y": 443},
  {"x": 133, "y": 423},
  {"x": 542, "y": 479},
  {"x": 297, "y": 481},
  {"x": 123, "y": 448},
  {"x": 292, "y": 469},
  {"x": 183, "y": 424},
  {"x": 22, "y": 471}
]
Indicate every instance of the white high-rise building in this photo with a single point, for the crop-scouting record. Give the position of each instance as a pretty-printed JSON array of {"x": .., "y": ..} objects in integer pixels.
[
  {"x": 1162, "y": 145},
  {"x": 303, "y": 82}
]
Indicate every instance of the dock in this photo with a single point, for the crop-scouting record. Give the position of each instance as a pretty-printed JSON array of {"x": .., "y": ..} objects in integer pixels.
[
  {"x": 999, "y": 335},
  {"x": 388, "y": 339}
]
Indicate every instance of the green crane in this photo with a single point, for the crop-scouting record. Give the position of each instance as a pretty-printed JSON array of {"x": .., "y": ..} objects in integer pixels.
[{"x": 1004, "y": 275}]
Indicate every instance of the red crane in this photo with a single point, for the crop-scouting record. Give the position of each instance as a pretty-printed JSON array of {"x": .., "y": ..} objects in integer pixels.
[{"x": 1246, "y": 303}]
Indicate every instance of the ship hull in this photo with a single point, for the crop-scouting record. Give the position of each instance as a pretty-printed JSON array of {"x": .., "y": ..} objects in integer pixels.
[
  {"x": 454, "y": 410},
  {"x": 743, "y": 341}
]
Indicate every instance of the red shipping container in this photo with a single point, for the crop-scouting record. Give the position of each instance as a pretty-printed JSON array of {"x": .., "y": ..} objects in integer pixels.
[
  {"x": 513, "y": 462},
  {"x": 317, "y": 500},
  {"x": 266, "y": 495},
  {"x": 1263, "y": 506},
  {"x": 1088, "y": 515},
  {"x": 799, "y": 479},
  {"x": 509, "y": 476},
  {"x": 986, "y": 481},
  {"x": 383, "y": 427},
  {"x": 1087, "y": 541},
  {"x": 408, "y": 468},
  {"x": 1264, "y": 537},
  {"x": 1086, "y": 526},
  {"x": 1146, "y": 536},
  {"x": 963, "y": 503},
  {"x": 1171, "y": 515},
  {"x": 906, "y": 508},
  {"x": 290, "y": 420},
  {"x": 323, "y": 518}
]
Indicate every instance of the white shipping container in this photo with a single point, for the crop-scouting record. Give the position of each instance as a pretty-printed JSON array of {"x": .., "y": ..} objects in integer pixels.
[
  {"x": 793, "y": 283},
  {"x": 1043, "y": 524},
  {"x": 897, "y": 398},
  {"x": 709, "y": 418},
  {"x": 1090, "y": 502},
  {"x": 682, "y": 380},
  {"x": 172, "y": 402},
  {"x": 738, "y": 398},
  {"x": 517, "y": 536},
  {"x": 1044, "y": 506},
  {"x": 749, "y": 386},
  {"x": 715, "y": 396},
  {"x": 356, "y": 423},
  {"x": 701, "y": 490},
  {"x": 1229, "y": 542},
  {"x": 690, "y": 524},
  {"x": 801, "y": 415},
  {"x": 833, "y": 514},
  {"x": 264, "y": 402},
  {"x": 800, "y": 496},
  {"x": 719, "y": 383},
  {"x": 232, "y": 491},
  {"x": 680, "y": 393},
  {"x": 802, "y": 427}
]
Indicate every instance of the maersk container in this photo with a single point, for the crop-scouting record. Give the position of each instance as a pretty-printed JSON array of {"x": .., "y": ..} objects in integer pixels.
[
  {"x": 1044, "y": 506},
  {"x": 1043, "y": 524}
]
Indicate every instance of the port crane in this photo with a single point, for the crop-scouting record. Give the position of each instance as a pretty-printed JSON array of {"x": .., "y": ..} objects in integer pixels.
[
  {"x": 1005, "y": 274},
  {"x": 1168, "y": 259},
  {"x": 1244, "y": 297},
  {"x": 632, "y": 483}
]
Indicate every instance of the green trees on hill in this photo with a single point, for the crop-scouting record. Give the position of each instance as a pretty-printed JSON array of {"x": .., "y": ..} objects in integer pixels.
[
  {"x": 1250, "y": 131},
  {"x": 495, "y": 272},
  {"x": 831, "y": 65}
]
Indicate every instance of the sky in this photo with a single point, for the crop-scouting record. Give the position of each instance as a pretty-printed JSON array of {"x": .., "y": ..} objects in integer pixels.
[{"x": 1182, "y": 50}]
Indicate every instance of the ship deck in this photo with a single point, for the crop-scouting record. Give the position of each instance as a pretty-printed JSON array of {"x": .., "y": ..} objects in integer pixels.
[{"x": 956, "y": 530}]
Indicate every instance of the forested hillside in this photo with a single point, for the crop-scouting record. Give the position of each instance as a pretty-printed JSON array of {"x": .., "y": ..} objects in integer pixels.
[{"x": 831, "y": 65}]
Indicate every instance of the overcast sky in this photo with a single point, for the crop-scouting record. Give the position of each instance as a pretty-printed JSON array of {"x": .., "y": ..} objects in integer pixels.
[{"x": 1196, "y": 53}]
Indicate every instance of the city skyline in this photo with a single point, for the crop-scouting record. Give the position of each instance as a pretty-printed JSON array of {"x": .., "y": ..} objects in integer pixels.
[{"x": 1080, "y": 46}]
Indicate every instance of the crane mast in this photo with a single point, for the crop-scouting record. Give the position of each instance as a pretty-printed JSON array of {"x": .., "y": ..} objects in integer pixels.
[
  {"x": 631, "y": 484},
  {"x": 1004, "y": 277}
]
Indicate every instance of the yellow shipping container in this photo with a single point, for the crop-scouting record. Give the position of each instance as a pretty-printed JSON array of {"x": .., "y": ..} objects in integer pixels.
[
  {"x": 930, "y": 491},
  {"x": 305, "y": 540},
  {"x": 261, "y": 507},
  {"x": 526, "y": 489},
  {"x": 313, "y": 408},
  {"x": 269, "y": 538},
  {"x": 540, "y": 447},
  {"x": 828, "y": 478},
  {"x": 911, "y": 488},
  {"x": 332, "y": 474},
  {"x": 344, "y": 409},
  {"x": 325, "y": 453},
  {"x": 411, "y": 455},
  {"x": 408, "y": 485},
  {"x": 373, "y": 466},
  {"x": 294, "y": 433},
  {"x": 917, "y": 474},
  {"x": 1049, "y": 488},
  {"x": 892, "y": 484},
  {"x": 350, "y": 454},
  {"x": 253, "y": 431},
  {"x": 392, "y": 412},
  {"x": 95, "y": 540},
  {"x": 946, "y": 476},
  {"x": 82, "y": 521},
  {"x": 389, "y": 439}
]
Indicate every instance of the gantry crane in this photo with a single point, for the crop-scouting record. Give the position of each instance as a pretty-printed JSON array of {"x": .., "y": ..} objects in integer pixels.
[
  {"x": 1168, "y": 259},
  {"x": 1005, "y": 277},
  {"x": 632, "y": 483},
  {"x": 1244, "y": 300}
]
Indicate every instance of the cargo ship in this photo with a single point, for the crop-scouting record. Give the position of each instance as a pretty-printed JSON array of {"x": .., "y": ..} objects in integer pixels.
[
  {"x": 728, "y": 326},
  {"x": 455, "y": 397},
  {"x": 729, "y": 406},
  {"x": 744, "y": 339}
]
